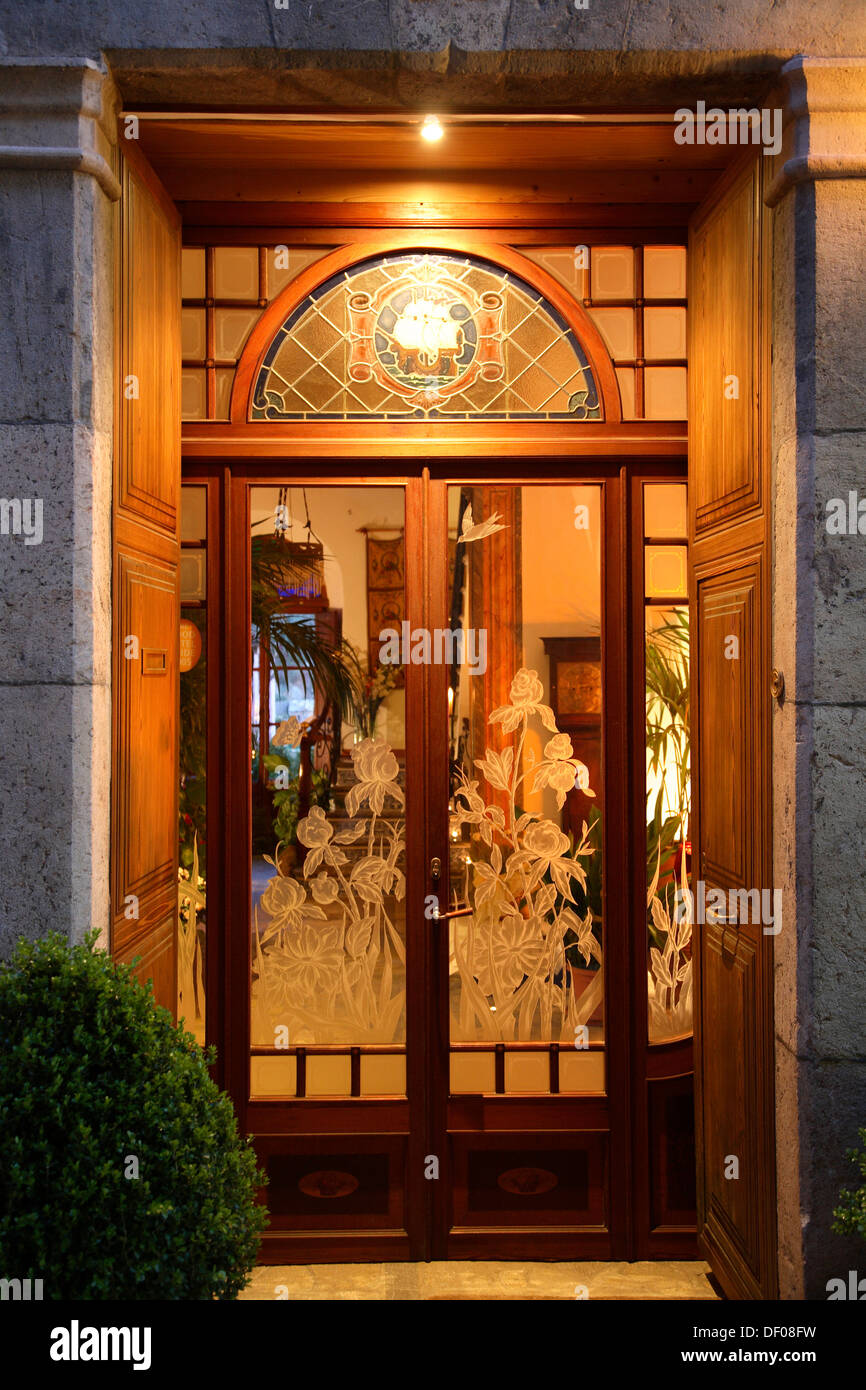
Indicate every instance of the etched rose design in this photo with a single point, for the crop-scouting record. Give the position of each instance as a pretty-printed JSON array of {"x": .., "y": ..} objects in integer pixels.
[
  {"x": 325, "y": 889},
  {"x": 526, "y": 696},
  {"x": 561, "y": 770},
  {"x": 286, "y": 900},
  {"x": 376, "y": 769},
  {"x": 374, "y": 761},
  {"x": 526, "y": 689},
  {"x": 546, "y": 841},
  {"x": 550, "y": 849},
  {"x": 314, "y": 830}
]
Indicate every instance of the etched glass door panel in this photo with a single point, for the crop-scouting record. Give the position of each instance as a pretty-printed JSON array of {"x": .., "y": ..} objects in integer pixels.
[
  {"x": 668, "y": 759},
  {"x": 526, "y": 952},
  {"x": 327, "y": 759}
]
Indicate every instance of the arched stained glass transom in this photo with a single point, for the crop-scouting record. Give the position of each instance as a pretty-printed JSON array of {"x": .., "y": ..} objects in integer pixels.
[{"x": 425, "y": 336}]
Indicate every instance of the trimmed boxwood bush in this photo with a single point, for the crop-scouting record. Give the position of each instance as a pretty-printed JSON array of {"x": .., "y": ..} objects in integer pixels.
[
  {"x": 96, "y": 1081},
  {"x": 850, "y": 1215}
]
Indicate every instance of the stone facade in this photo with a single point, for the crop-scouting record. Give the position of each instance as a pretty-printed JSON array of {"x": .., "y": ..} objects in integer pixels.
[
  {"x": 819, "y": 453},
  {"x": 61, "y": 69}
]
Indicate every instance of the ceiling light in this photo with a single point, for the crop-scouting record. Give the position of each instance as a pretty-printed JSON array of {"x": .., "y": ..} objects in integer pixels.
[{"x": 431, "y": 129}]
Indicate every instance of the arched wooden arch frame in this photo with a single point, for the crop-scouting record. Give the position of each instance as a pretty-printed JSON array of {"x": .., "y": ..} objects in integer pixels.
[{"x": 570, "y": 309}]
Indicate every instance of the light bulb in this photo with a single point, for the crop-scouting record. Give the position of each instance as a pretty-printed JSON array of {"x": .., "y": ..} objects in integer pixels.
[{"x": 431, "y": 130}]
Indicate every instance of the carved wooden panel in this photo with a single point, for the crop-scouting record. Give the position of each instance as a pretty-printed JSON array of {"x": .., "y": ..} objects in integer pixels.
[
  {"x": 154, "y": 946},
  {"x": 530, "y": 1181},
  {"x": 731, "y": 1115},
  {"x": 724, "y": 356},
  {"x": 726, "y": 619},
  {"x": 148, "y": 473},
  {"x": 672, "y": 1152},
  {"x": 146, "y": 634}
]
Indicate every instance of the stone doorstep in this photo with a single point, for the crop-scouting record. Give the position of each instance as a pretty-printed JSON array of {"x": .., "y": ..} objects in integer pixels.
[{"x": 482, "y": 1280}]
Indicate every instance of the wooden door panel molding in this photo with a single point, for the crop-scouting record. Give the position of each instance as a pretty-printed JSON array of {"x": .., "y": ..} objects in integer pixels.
[
  {"x": 146, "y": 640},
  {"x": 725, "y": 378},
  {"x": 154, "y": 947},
  {"x": 148, "y": 472},
  {"x": 146, "y": 616},
  {"x": 726, "y": 613},
  {"x": 728, "y": 1098}
]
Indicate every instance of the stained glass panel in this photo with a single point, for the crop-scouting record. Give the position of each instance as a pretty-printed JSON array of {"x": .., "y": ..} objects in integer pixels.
[{"x": 425, "y": 336}]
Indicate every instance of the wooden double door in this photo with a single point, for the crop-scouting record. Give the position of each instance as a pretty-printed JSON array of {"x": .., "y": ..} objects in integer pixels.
[
  {"x": 428, "y": 926},
  {"x": 627, "y": 1191}
]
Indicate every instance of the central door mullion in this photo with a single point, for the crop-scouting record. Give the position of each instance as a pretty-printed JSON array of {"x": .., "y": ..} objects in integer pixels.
[
  {"x": 436, "y": 836},
  {"x": 418, "y": 946}
]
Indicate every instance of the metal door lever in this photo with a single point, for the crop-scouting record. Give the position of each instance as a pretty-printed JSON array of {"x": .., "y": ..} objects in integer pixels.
[{"x": 445, "y": 916}]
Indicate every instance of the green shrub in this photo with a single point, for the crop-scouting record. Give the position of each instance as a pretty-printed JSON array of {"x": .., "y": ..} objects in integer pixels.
[
  {"x": 850, "y": 1215},
  {"x": 94, "y": 1075}
]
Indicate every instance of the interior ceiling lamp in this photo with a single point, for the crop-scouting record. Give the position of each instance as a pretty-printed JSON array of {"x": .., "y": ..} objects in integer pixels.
[
  {"x": 297, "y": 568},
  {"x": 431, "y": 129}
]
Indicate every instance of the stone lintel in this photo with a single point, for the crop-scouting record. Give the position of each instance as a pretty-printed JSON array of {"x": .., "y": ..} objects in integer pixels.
[{"x": 59, "y": 114}]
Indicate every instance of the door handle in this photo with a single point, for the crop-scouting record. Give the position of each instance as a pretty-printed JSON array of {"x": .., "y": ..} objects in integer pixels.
[
  {"x": 719, "y": 919},
  {"x": 446, "y": 916}
]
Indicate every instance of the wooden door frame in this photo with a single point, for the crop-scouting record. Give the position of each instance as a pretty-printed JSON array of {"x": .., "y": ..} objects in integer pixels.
[
  {"x": 653, "y": 1064},
  {"x": 228, "y": 953}
]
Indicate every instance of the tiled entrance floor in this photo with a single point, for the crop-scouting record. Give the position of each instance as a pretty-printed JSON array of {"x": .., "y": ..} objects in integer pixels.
[{"x": 483, "y": 1280}]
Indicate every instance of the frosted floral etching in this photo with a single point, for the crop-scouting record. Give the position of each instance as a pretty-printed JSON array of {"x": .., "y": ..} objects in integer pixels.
[
  {"x": 669, "y": 982},
  {"x": 191, "y": 900},
  {"x": 669, "y": 907},
  {"x": 511, "y": 952},
  {"x": 328, "y": 949}
]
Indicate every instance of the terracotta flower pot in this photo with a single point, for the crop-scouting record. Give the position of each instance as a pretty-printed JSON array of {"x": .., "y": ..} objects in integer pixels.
[{"x": 581, "y": 979}]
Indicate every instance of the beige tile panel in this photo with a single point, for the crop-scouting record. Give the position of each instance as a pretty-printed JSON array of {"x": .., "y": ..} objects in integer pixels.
[
  {"x": 192, "y": 272},
  {"x": 612, "y": 272},
  {"x": 664, "y": 511},
  {"x": 625, "y": 377},
  {"x": 617, "y": 328},
  {"x": 329, "y": 1076},
  {"x": 236, "y": 272},
  {"x": 193, "y": 394},
  {"x": 664, "y": 332},
  {"x": 193, "y": 334},
  {"x": 273, "y": 1076},
  {"x": 664, "y": 272},
  {"x": 665, "y": 393},
  {"x": 383, "y": 1074}
]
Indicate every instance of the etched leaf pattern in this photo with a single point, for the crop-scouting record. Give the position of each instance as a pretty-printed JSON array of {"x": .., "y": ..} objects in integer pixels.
[
  {"x": 328, "y": 951},
  {"x": 669, "y": 978},
  {"x": 510, "y": 953}
]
